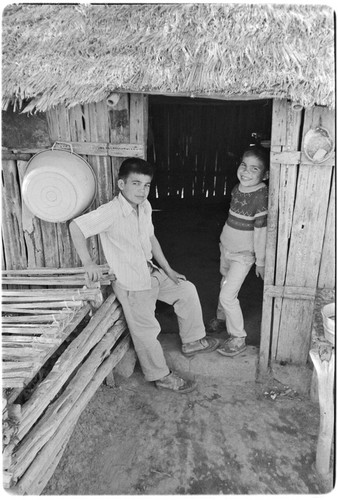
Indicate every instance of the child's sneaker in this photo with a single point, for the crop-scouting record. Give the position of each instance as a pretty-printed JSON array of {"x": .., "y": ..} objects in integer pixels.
[
  {"x": 173, "y": 382},
  {"x": 232, "y": 346},
  {"x": 216, "y": 325}
]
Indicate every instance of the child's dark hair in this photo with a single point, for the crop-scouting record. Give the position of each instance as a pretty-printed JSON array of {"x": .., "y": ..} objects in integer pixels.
[
  {"x": 260, "y": 153},
  {"x": 136, "y": 166}
]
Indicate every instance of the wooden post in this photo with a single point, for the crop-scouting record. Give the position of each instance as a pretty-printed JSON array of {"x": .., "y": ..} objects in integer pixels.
[{"x": 323, "y": 360}]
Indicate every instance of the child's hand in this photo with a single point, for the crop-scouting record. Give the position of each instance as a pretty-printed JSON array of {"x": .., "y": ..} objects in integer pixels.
[
  {"x": 260, "y": 271},
  {"x": 93, "y": 271},
  {"x": 176, "y": 277}
]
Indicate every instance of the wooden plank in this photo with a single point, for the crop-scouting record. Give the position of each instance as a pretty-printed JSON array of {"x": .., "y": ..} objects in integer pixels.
[
  {"x": 127, "y": 150},
  {"x": 301, "y": 292},
  {"x": 31, "y": 228},
  {"x": 50, "y": 243},
  {"x": 119, "y": 122},
  {"x": 296, "y": 157},
  {"x": 65, "y": 245},
  {"x": 30, "y": 330},
  {"x": 98, "y": 130},
  {"x": 139, "y": 121},
  {"x": 287, "y": 192},
  {"x": 44, "y": 305},
  {"x": 12, "y": 365},
  {"x": 61, "y": 254},
  {"x": 279, "y": 115},
  {"x": 51, "y": 271},
  {"x": 119, "y": 132},
  {"x": 37, "y": 319},
  {"x": 46, "y": 294},
  {"x": 82, "y": 148},
  {"x": 13, "y": 383},
  {"x": 14, "y": 243},
  {"x": 6, "y": 155},
  {"x": 10, "y": 340},
  {"x": 304, "y": 257},
  {"x": 327, "y": 277},
  {"x": 308, "y": 226},
  {"x": 48, "y": 281}
]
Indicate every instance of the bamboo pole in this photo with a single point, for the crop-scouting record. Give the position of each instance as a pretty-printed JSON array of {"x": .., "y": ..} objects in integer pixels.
[
  {"x": 27, "y": 483},
  {"x": 324, "y": 361}
]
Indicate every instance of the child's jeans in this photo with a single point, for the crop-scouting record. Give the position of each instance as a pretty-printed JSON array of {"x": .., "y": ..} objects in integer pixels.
[
  {"x": 234, "y": 268},
  {"x": 139, "y": 311}
]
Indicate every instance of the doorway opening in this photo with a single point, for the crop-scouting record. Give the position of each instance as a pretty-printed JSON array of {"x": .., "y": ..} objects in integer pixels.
[{"x": 196, "y": 146}]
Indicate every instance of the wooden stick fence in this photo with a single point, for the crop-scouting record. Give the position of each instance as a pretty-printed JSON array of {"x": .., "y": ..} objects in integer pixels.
[{"x": 46, "y": 420}]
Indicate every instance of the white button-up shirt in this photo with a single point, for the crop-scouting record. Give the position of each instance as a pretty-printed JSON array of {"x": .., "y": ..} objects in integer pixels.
[{"x": 125, "y": 237}]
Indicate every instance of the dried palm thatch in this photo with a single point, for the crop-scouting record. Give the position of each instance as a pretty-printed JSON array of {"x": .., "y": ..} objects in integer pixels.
[{"x": 72, "y": 54}]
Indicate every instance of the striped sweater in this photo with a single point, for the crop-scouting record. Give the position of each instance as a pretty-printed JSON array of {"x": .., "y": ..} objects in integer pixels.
[{"x": 245, "y": 229}]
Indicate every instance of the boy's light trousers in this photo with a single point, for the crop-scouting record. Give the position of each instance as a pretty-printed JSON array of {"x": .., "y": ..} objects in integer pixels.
[
  {"x": 139, "y": 311},
  {"x": 234, "y": 268}
]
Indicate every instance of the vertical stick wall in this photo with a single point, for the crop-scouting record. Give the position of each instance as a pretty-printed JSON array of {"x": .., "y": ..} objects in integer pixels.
[{"x": 29, "y": 242}]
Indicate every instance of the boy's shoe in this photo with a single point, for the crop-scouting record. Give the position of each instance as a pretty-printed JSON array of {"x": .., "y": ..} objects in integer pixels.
[
  {"x": 173, "y": 382},
  {"x": 216, "y": 325},
  {"x": 206, "y": 344},
  {"x": 232, "y": 346}
]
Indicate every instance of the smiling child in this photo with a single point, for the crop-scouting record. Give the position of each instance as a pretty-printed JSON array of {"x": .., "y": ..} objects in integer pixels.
[{"x": 242, "y": 244}]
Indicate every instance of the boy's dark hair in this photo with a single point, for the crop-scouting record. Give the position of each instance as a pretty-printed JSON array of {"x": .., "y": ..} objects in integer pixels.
[
  {"x": 260, "y": 153},
  {"x": 135, "y": 165}
]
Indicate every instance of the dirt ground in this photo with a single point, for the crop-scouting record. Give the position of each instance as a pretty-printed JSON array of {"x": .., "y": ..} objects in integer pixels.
[{"x": 232, "y": 435}]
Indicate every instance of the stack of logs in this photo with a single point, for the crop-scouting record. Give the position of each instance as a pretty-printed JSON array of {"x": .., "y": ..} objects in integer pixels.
[{"x": 37, "y": 432}]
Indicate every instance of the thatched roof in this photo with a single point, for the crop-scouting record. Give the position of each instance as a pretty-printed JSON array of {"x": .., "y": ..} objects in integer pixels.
[{"x": 70, "y": 54}]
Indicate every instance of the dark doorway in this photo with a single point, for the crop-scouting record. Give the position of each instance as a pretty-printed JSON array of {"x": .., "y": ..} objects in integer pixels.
[{"x": 196, "y": 145}]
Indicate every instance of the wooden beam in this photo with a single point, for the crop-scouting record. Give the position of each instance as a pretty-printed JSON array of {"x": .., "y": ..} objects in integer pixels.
[
  {"x": 297, "y": 157},
  {"x": 292, "y": 292},
  {"x": 83, "y": 148}
]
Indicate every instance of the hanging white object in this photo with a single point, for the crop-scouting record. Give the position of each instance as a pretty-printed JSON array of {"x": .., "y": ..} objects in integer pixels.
[{"x": 58, "y": 185}]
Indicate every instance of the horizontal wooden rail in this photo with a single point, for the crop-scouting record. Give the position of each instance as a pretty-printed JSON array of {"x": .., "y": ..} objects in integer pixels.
[
  {"x": 297, "y": 157},
  {"x": 290, "y": 292},
  {"x": 83, "y": 148}
]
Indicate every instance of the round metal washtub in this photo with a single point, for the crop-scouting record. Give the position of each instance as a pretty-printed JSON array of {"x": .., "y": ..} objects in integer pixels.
[{"x": 58, "y": 185}]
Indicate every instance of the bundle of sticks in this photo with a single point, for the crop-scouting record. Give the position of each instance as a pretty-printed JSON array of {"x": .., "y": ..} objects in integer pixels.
[{"x": 35, "y": 321}]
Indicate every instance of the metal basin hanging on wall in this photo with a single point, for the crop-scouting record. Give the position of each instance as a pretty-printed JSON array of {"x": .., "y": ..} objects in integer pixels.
[{"x": 58, "y": 185}]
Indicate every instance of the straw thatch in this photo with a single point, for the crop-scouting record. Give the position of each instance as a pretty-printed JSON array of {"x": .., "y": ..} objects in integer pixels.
[{"x": 72, "y": 54}]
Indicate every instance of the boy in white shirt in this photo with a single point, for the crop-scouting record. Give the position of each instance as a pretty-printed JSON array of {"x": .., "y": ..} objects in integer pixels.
[
  {"x": 242, "y": 244},
  {"x": 129, "y": 244}
]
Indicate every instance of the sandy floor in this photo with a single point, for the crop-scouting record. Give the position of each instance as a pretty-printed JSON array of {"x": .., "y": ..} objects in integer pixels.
[{"x": 224, "y": 438}]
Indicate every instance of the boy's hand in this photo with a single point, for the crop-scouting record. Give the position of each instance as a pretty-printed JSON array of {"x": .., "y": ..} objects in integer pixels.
[
  {"x": 260, "y": 271},
  {"x": 176, "y": 277},
  {"x": 93, "y": 271}
]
